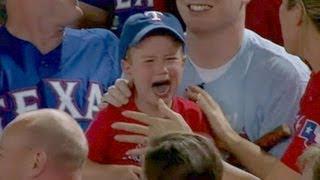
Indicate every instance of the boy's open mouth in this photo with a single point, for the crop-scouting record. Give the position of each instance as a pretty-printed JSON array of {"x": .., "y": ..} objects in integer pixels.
[{"x": 161, "y": 88}]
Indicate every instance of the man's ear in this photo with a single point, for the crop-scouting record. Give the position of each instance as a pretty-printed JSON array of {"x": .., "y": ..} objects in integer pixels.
[
  {"x": 39, "y": 162},
  {"x": 300, "y": 14}
]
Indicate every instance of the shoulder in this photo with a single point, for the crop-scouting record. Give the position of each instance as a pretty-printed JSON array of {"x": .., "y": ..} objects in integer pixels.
[{"x": 273, "y": 60}]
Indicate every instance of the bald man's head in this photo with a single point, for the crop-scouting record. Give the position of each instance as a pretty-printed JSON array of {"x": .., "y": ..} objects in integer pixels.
[{"x": 46, "y": 135}]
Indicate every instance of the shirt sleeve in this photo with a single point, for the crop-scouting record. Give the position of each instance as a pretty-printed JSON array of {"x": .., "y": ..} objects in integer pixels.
[
  {"x": 282, "y": 105},
  {"x": 97, "y": 137}
]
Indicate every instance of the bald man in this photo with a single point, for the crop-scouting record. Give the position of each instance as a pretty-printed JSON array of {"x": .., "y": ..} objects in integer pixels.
[{"x": 42, "y": 145}]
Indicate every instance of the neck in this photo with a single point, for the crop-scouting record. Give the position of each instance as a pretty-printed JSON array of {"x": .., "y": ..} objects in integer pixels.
[
  {"x": 310, "y": 48},
  {"x": 215, "y": 48},
  {"x": 35, "y": 29}
]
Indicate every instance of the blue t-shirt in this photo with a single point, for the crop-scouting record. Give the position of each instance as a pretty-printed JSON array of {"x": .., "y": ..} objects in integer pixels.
[
  {"x": 260, "y": 91},
  {"x": 72, "y": 77},
  {"x": 123, "y": 9}
]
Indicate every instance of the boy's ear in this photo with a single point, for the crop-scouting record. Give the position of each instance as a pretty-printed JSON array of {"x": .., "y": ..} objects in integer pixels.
[{"x": 126, "y": 67}]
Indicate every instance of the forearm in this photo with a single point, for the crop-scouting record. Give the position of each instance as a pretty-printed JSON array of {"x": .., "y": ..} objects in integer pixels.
[
  {"x": 231, "y": 172},
  {"x": 92, "y": 17},
  {"x": 96, "y": 171},
  {"x": 251, "y": 156}
]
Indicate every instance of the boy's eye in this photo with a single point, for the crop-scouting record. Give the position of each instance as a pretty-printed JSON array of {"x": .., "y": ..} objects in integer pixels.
[
  {"x": 171, "y": 58},
  {"x": 148, "y": 60}
]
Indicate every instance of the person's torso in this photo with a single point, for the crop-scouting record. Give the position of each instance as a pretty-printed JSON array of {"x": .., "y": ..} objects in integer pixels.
[
  {"x": 71, "y": 77},
  {"x": 248, "y": 89},
  {"x": 307, "y": 127}
]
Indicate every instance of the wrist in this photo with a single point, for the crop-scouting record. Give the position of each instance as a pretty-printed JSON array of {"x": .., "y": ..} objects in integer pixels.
[{"x": 232, "y": 139}]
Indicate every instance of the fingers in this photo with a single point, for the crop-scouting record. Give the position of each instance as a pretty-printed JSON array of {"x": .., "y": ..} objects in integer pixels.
[
  {"x": 110, "y": 99},
  {"x": 138, "y": 116},
  {"x": 123, "y": 86},
  {"x": 137, "y": 171},
  {"x": 135, "y": 139},
  {"x": 204, "y": 105},
  {"x": 167, "y": 112},
  {"x": 192, "y": 95},
  {"x": 137, "y": 152},
  {"x": 195, "y": 90},
  {"x": 131, "y": 127},
  {"x": 117, "y": 95},
  {"x": 103, "y": 105}
]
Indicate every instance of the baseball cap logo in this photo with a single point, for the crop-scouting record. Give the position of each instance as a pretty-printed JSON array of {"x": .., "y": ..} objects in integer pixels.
[{"x": 155, "y": 15}]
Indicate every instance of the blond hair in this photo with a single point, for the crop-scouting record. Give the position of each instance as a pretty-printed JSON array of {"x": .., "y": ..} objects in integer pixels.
[
  {"x": 182, "y": 157},
  {"x": 311, "y": 8}
]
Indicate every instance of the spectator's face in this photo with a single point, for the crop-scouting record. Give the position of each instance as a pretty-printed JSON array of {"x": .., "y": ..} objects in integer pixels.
[
  {"x": 210, "y": 15},
  {"x": 289, "y": 20},
  {"x": 13, "y": 158},
  {"x": 156, "y": 67}
]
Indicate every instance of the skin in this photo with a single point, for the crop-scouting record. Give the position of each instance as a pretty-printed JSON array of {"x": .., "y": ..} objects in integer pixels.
[
  {"x": 33, "y": 139},
  {"x": 163, "y": 61},
  {"x": 223, "y": 24},
  {"x": 300, "y": 38},
  {"x": 41, "y": 22}
]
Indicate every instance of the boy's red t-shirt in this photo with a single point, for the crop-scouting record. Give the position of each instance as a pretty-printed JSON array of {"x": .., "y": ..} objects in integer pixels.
[{"x": 105, "y": 150}]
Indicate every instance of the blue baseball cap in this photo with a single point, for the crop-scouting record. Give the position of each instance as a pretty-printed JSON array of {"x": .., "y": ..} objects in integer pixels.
[{"x": 139, "y": 25}]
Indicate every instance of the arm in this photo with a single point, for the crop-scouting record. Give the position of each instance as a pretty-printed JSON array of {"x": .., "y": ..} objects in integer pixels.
[
  {"x": 97, "y": 171},
  {"x": 156, "y": 127},
  {"x": 230, "y": 173},
  {"x": 250, "y": 155},
  {"x": 93, "y": 17}
]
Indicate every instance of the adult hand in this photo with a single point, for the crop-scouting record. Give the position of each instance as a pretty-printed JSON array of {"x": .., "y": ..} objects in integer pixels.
[
  {"x": 215, "y": 115},
  {"x": 118, "y": 94},
  {"x": 171, "y": 122}
]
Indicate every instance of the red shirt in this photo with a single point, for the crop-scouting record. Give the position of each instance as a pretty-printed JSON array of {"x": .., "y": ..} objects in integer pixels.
[
  {"x": 308, "y": 123},
  {"x": 262, "y": 16},
  {"x": 104, "y": 149}
]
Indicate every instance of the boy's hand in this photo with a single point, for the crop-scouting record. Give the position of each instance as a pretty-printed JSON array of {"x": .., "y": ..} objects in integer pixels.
[{"x": 118, "y": 94}]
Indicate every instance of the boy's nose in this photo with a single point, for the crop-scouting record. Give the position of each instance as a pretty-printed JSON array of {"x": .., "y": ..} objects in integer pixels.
[{"x": 161, "y": 68}]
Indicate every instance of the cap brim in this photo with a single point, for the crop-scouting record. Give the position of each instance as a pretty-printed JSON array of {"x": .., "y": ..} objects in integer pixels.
[{"x": 145, "y": 31}]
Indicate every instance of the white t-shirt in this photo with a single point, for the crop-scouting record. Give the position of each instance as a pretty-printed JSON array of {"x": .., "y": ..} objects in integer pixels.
[{"x": 210, "y": 75}]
